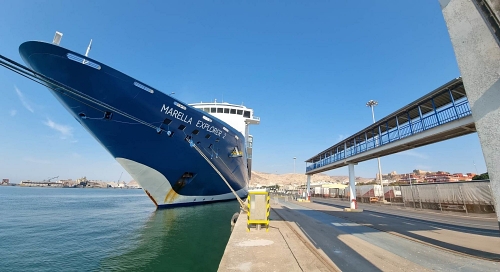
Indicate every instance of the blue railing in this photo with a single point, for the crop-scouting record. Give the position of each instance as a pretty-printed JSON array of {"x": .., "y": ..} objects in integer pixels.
[{"x": 440, "y": 116}]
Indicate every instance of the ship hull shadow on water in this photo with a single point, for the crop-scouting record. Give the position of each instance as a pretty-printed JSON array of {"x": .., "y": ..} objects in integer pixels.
[{"x": 183, "y": 239}]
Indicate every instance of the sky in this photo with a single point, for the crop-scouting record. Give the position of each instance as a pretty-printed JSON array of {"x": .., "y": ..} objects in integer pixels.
[{"x": 306, "y": 68}]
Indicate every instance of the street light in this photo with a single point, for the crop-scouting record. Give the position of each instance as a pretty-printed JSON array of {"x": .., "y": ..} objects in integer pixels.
[
  {"x": 294, "y": 164},
  {"x": 371, "y": 104}
]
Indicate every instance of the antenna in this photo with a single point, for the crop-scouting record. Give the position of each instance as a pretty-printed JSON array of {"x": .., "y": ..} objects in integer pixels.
[
  {"x": 88, "y": 48},
  {"x": 57, "y": 38}
]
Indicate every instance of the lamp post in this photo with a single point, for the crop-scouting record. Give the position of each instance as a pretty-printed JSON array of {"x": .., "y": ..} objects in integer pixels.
[
  {"x": 371, "y": 104},
  {"x": 294, "y": 164}
]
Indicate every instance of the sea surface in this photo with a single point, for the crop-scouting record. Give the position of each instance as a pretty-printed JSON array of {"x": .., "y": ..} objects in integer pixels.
[{"x": 75, "y": 229}]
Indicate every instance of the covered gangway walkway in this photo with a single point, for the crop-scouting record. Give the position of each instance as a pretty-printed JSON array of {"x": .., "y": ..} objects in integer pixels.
[
  {"x": 439, "y": 115},
  {"x": 433, "y": 112}
]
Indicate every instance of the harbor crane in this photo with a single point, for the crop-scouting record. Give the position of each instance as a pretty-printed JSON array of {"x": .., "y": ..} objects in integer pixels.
[{"x": 49, "y": 179}]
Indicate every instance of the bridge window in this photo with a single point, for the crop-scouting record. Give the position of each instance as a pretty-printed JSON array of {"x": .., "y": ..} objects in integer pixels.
[
  {"x": 220, "y": 110},
  {"x": 226, "y": 110},
  {"x": 233, "y": 111},
  {"x": 239, "y": 112},
  {"x": 212, "y": 110},
  {"x": 246, "y": 114},
  {"x": 206, "y": 109}
]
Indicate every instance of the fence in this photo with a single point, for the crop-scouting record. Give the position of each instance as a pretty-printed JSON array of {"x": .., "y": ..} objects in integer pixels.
[
  {"x": 470, "y": 196},
  {"x": 464, "y": 196}
]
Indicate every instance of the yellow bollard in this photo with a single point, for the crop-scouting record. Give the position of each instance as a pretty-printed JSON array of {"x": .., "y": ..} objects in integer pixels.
[{"x": 259, "y": 208}]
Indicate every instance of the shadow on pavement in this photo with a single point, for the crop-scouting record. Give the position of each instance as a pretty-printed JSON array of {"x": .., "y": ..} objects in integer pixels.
[{"x": 400, "y": 224}]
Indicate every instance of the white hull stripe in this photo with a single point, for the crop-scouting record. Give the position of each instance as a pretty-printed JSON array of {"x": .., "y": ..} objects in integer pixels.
[{"x": 159, "y": 189}]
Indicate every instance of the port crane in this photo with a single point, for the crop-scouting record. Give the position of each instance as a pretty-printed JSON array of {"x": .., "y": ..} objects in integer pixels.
[{"x": 49, "y": 179}]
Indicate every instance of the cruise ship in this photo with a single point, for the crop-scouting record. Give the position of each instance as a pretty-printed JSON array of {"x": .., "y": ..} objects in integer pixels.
[{"x": 180, "y": 154}]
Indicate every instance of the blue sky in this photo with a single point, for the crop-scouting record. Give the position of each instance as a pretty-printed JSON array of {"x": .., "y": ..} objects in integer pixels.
[{"x": 307, "y": 68}]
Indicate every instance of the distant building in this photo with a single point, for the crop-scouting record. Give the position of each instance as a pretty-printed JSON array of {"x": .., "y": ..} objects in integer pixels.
[
  {"x": 5, "y": 181},
  {"x": 410, "y": 178},
  {"x": 134, "y": 185},
  {"x": 420, "y": 172},
  {"x": 29, "y": 183},
  {"x": 441, "y": 176}
]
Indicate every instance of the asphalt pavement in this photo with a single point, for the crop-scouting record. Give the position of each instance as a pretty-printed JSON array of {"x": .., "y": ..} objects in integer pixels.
[{"x": 388, "y": 239}]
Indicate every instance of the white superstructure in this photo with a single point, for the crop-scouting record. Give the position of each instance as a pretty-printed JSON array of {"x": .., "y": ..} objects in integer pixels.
[{"x": 238, "y": 117}]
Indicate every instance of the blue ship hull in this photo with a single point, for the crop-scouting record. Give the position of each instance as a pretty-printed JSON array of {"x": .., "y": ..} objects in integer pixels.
[{"x": 178, "y": 154}]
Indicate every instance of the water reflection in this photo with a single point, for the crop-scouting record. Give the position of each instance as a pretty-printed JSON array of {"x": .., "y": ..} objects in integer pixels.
[{"x": 180, "y": 239}]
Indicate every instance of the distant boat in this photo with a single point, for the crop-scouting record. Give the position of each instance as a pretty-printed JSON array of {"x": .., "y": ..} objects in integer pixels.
[{"x": 179, "y": 154}]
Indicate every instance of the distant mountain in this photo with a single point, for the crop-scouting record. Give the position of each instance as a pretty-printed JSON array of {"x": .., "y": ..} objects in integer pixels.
[
  {"x": 133, "y": 183},
  {"x": 261, "y": 178}
]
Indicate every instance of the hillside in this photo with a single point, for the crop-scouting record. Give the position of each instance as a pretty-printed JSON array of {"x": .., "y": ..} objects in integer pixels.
[{"x": 261, "y": 178}]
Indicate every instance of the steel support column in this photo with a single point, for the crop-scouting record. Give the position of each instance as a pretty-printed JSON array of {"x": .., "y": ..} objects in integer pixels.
[
  {"x": 387, "y": 131},
  {"x": 453, "y": 103},
  {"x": 397, "y": 125},
  {"x": 435, "y": 111},
  {"x": 409, "y": 122},
  {"x": 352, "y": 186},
  {"x": 366, "y": 141},
  {"x": 308, "y": 190},
  {"x": 421, "y": 119}
]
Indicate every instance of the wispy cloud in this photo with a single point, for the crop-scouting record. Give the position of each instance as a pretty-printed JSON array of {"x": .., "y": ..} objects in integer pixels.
[
  {"x": 23, "y": 99},
  {"x": 12, "y": 112},
  {"x": 340, "y": 137},
  {"x": 35, "y": 160},
  {"x": 65, "y": 131},
  {"x": 415, "y": 154}
]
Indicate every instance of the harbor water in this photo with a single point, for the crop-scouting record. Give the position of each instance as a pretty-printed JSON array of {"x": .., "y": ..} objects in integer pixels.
[{"x": 63, "y": 229}]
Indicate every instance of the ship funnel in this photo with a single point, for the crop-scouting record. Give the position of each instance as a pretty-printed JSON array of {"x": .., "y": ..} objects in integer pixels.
[{"x": 57, "y": 38}]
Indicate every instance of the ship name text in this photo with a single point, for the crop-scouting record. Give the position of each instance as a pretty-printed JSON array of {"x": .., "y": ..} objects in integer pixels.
[
  {"x": 180, "y": 115},
  {"x": 177, "y": 114},
  {"x": 209, "y": 128}
]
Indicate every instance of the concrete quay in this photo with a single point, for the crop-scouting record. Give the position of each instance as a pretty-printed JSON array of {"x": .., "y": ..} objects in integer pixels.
[
  {"x": 320, "y": 236},
  {"x": 279, "y": 249}
]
